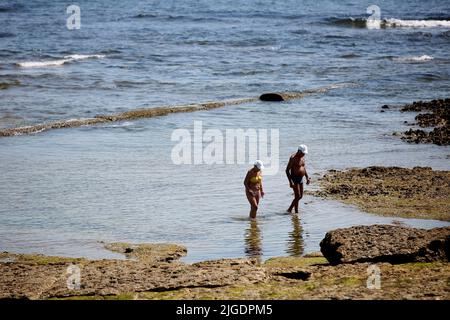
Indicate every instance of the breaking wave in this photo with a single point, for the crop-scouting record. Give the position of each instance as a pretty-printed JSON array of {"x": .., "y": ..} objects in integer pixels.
[
  {"x": 58, "y": 62},
  {"x": 394, "y": 23},
  {"x": 389, "y": 23},
  {"x": 422, "y": 58}
]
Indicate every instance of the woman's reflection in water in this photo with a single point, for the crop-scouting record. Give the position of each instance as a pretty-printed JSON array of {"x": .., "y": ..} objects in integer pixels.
[
  {"x": 253, "y": 241},
  {"x": 295, "y": 241}
]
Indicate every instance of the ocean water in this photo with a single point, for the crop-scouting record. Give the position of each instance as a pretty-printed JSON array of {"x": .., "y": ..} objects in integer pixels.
[{"x": 64, "y": 192}]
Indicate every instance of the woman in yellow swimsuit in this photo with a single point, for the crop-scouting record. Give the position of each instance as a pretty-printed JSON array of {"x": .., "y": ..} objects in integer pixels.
[{"x": 253, "y": 187}]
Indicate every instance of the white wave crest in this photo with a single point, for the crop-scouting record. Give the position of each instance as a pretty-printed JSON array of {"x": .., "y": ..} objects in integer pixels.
[
  {"x": 414, "y": 58},
  {"x": 398, "y": 23},
  {"x": 59, "y": 62},
  {"x": 84, "y": 56}
]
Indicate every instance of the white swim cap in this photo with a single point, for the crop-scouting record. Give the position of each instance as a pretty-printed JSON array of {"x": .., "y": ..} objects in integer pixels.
[
  {"x": 303, "y": 148},
  {"x": 259, "y": 164}
]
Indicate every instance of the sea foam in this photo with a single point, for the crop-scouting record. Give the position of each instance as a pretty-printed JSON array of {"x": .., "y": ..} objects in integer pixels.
[
  {"x": 393, "y": 23},
  {"x": 422, "y": 58},
  {"x": 390, "y": 23},
  {"x": 58, "y": 62}
]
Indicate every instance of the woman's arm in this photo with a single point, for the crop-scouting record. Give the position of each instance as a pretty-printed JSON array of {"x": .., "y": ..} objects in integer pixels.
[
  {"x": 261, "y": 188},
  {"x": 246, "y": 180}
]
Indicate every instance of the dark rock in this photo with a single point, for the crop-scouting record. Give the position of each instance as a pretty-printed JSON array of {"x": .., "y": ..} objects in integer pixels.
[
  {"x": 271, "y": 97},
  {"x": 296, "y": 275},
  {"x": 417, "y": 136},
  {"x": 284, "y": 96},
  {"x": 439, "y": 136},
  {"x": 385, "y": 107},
  {"x": 386, "y": 243},
  {"x": 430, "y": 120},
  {"x": 437, "y": 116}
]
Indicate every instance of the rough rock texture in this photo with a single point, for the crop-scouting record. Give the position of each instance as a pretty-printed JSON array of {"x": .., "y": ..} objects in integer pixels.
[
  {"x": 386, "y": 243},
  {"x": 150, "y": 253},
  {"x": 41, "y": 277},
  {"x": 149, "y": 276},
  {"x": 418, "y": 192},
  {"x": 437, "y": 116},
  {"x": 439, "y": 136}
]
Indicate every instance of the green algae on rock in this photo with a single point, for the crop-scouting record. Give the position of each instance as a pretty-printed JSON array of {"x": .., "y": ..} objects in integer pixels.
[
  {"x": 161, "y": 252},
  {"x": 386, "y": 243},
  {"x": 25, "y": 276},
  {"x": 419, "y": 192}
]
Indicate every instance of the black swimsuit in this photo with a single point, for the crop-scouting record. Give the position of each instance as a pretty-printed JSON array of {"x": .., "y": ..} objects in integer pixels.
[{"x": 298, "y": 179}]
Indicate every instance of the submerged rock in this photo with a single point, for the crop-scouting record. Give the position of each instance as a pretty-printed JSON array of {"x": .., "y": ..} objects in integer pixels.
[
  {"x": 386, "y": 243},
  {"x": 159, "y": 111},
  {"x": 7, "y": 85}
]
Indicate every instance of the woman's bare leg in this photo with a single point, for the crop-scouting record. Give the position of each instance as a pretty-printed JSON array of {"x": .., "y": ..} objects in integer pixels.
[{"x": 253, "y": 200}]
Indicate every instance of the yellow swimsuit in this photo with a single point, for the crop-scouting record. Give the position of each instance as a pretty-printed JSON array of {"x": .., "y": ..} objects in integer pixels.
[{"x": 256, "y": 179}]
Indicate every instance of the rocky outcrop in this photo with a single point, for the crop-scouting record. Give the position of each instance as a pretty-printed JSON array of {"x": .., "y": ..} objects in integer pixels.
[
  {"x": 386, "y": 243},
  {"x": 291, "y": 95},
  {"x": 281, "y": 96},
  {"x": 418, "y": 192},
  {"x": 436, "y": 116},
  {"x": 439, "y": 136},
  {"x": 41, "y": 277}
]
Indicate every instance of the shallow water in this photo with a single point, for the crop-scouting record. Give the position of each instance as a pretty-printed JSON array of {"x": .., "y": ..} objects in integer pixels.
[{"x": 64, "y": 191}]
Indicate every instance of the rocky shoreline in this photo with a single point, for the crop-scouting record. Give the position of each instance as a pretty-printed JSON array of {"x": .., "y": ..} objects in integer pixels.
[
  {"x": 153, "y": 271},
  {"x": 419, "y": 192},
  {"x": 411, "y": 263},
  {"x": 436, "y": 116}
]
